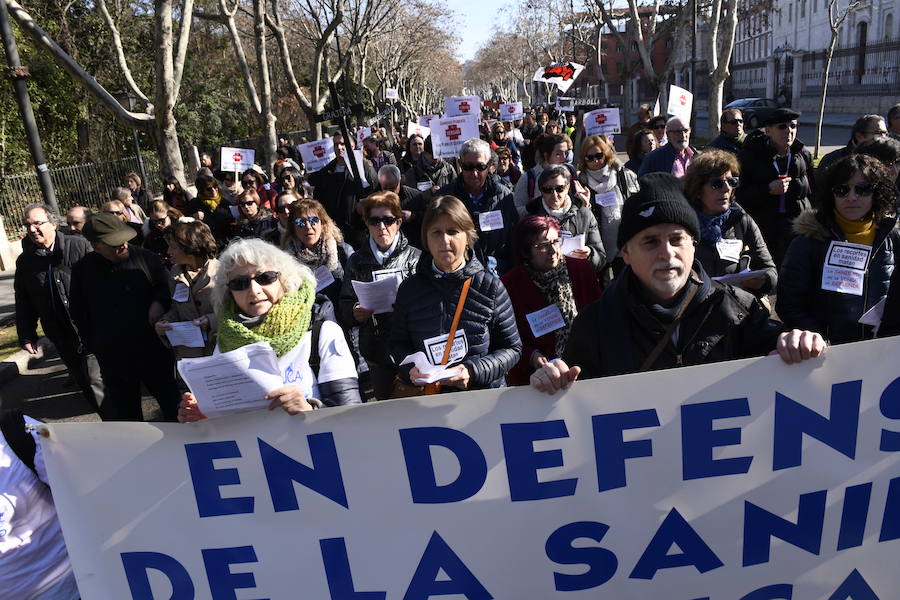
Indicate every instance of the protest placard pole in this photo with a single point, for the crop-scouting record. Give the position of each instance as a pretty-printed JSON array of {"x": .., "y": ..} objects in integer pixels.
[{"x": 342, "y": 123}]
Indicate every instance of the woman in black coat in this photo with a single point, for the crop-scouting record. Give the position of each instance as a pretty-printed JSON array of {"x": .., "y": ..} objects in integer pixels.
[
  {"x": 841, "y": 263},
  {"x": 386, "y": 253},
  {"x": 487, "y": 337}
]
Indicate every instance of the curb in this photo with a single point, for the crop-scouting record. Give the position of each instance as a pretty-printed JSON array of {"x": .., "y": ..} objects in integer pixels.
[{"x": 21, "y": 361}]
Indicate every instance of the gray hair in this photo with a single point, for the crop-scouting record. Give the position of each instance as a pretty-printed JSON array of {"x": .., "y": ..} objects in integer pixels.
[
  {"x": 554, "y": 172},
  {"x": 390, "y": 172},
  {"x": 265, "y": 256},
  {"x": 475, "y": 146},
  {"x": 85, "y": 211},
  {"x": 679, "y": 119},
  {"x": 121, "y": 194},
  {"x": 51, "y": 214}
]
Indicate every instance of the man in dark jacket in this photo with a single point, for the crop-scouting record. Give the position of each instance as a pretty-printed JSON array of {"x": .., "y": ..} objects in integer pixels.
[
  {"x": 530, "y": 132},
  {"x": 430, "y": 173},
  {"x": 118, "y": 292},
  {"x": 489, "y": 202},
  {"x": 663, "y": 290},
  {"x": 42, "y": 284},
  {"x": 339, "y": 193},
  {"x": 867, "y": 127},
  {"x": 731, "y": 132}
]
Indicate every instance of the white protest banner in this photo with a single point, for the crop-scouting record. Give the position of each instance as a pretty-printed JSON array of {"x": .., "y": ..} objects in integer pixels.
[
  {"x": 681, "y": 102},
  {"x": 448, "y": 135},
  {"x": 602, "y": 121},
  {"x": 511, "y": 111},
  {"x": 426, "y": 120},
  {"x": 236, "y": 159},
  {"x": 561, "y": 74},
  {"x": 361, "y": 134},
  {"x": 416, "y": 129},
  {"x": 565, "y": 104},
  {"x": 317, "y": 154},
  {"x": 745, "y": 480},
  {"x": 390, "y": 93},
  {"x": 456, "y": 106}
]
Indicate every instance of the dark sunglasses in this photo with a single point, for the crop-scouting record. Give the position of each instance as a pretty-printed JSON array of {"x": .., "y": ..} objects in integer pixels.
[
  {"x": 593, "y": 157},
  {"x": 861, "y": 189},
  {"x": 734, "y": 121},
  {"x": 247, "y": 203},
  {"x": 784, "y": 126},
  {"x": 473, "y": 167},
  {"x": 376, "y": 221},
  {"x": 304, "y": 221},
  {"x": 559, "y": 189},
  {"x": 242, "y": 282},
  {"x": 717, "y": 183}
]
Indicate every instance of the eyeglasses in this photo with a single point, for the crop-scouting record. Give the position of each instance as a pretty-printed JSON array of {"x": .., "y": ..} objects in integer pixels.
[
  {"x": 734, "y": 121},
  {"x": 242, "y": 282},
  {"x": 683, "y": 131},
  {"x": 593, "y": 157},
  {"x": 784, "y": 126},
  {"x": 548, "y": 245},
  {"x": 473, "y": 167},
  {"x": 559, "y": 189},
  {"x": 114, "y": 212},
  {"x": 387, "y": 221},
  {"x": 247, "y": 203},
  {"x": 306, "y": 221},
  {"x": 862, "y": 189},
  {"x": 37, "y": 224},
  {"x": 717, "y": 183}
]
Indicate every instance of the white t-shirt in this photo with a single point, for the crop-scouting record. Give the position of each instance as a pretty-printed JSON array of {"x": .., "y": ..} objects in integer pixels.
[
  {"x": 335, "y": 360},
  {"x": 33, "y": 555}
]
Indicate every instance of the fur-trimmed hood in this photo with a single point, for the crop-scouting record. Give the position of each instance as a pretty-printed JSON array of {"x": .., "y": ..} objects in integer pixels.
[{"x": 808, "y": 225}]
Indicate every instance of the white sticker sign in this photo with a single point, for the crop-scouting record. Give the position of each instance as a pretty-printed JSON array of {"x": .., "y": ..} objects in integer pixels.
[
  {"x": 490, "y": 220},
  {"x": 236, "y": 159},
  {"x": 316, "y": 155},
  {"x": 435, "y": 347},
  {"x": 607, "y": 199},
  {"x": 511, "y": 111},
  {"x": 324, "y": 278},
  {"x": 729, "y": 250},
  {"x": 462, "y": 105},
  {"x": 681, "y": 102},
  {"x": 845, "y": 268},
  {"x": 182, "y": 293},
  {"x": 602, "y": 121},
  {"x": 546, "y": 320},
  {"x": 448, "y": 135}
]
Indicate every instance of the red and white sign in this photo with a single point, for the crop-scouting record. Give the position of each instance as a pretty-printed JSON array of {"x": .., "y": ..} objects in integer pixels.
[
  {"x": 448, "y": 134},
  {"x": 681, "y": 102},
  {"x": 511, "y": 111},
  {"x": 416, "y": 129},
  {"x": 361, "y": 134},
  {"x": 426, "y": 120},
  {"x": 317, "y": 154},
  {"x": 462, "y": 105},
  {"x": 236, "y": 159},
  {"x": 602, "y": 121}
]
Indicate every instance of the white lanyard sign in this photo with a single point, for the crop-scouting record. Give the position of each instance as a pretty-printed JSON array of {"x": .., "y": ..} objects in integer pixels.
[
  {"x": 317, "y": 154},
  {"x": 462, "y": 105},
  {"x": 845, "y": 266},
  {"x": 602, "y": 121},
  {"x": 236, "y": 159},
  {"x": 448, "y": 135},
  {"x": 511, "y": 111}
]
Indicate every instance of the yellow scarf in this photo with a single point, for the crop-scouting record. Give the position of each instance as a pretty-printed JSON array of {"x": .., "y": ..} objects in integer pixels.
[{"x": 857, "y": 232}]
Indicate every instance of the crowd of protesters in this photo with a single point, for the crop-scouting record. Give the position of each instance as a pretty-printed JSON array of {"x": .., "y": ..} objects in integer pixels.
[{"x": 680, "y": 256}]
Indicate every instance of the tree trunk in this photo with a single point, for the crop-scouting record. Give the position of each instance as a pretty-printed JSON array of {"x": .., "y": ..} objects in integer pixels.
[
  {"x": 721, "y": 60},
  {"x": 266, "y": 118},
  {"x": 170, "y": 161},
  {"x": 828, "y": 53}
]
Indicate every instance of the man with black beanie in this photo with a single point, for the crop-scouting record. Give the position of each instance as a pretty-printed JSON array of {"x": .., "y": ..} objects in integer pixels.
[{"x": 664, "y": 311}]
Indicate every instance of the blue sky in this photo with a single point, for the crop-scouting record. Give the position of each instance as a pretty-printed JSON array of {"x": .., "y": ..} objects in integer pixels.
[{"x": 477, "y": 19}]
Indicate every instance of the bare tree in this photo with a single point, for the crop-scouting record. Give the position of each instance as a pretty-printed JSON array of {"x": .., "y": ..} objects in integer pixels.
[
  {"x": 724, "y": 16},
  {"x": 158, "y": 119},
  {"x": 836, "y": 18}
]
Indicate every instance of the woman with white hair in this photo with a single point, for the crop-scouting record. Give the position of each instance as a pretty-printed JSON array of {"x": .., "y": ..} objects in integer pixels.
[{"x": 262, "y": 294}]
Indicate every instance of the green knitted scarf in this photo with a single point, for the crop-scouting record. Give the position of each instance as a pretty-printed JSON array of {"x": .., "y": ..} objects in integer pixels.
[{"x": 283, "y": 326}]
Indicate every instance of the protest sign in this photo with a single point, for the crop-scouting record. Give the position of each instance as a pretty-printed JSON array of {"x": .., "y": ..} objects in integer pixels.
[
  {"x": 448, "y": 135},
  {"x": 361, "y": 134},
  {"x": 317, "y": 154},
  {"x": 416, "y": 129},
  {"x": 565, "y": 104},
  {"x": 681, "y": 102},
  {"x": 236, "y": 159},
  {"x": 602, "y": 121},
  {"x": 426, "y": 120},
  {"x": 511, "y": 111},
  {"x": 390, "y": 93},
  {"x": 563, "y": 75},
  {"x": 730, "y": 481},
  {"x": 462, "y": 105}
]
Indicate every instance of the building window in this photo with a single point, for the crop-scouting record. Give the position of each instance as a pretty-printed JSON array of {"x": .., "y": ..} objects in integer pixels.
[
  {"x": 790, "y": 13},
  {"x": 802, "y": 8},
  {"x": 889, "y": 27},
  {"x": 815, "y": 6}
]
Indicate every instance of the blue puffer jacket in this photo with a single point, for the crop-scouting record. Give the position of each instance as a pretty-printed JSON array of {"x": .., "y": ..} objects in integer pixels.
[
  {"x": 426, "y": 303},
  {"x": 803, "y": 304}
]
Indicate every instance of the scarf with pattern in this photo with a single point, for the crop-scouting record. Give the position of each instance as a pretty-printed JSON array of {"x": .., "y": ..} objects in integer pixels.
[
  {"x": 556, "y": 287},
  {"x": 282, "y": 327}
]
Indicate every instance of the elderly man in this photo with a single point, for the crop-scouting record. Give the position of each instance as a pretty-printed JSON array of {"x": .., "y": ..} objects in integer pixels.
[
  {"x": 867, "y": 127},
  {"x": 412, "y": 203},
  {"x": 76, "y": 218},
  {"x": 375, "y": 154},
  {"x": 490, "y": 204},
  {"x": 664, "y": 311},
  {"x": 775, "y": 185},
  {"x": 731, "y": 132},
  {"x": 675, "y": 156},
  {"x": 118, "y": 292},
  {"x": 42, "y": 286}
]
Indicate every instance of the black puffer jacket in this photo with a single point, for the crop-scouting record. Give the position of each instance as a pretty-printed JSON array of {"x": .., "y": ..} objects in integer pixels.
[
  {"x": 426, "y": 303},
  {"x": 579, "y": 219},
  {"x": 374, "y": 333},
  {"x": 754, "y": 254},
  {"x": 803, "y": 304},
  {"x": 496, "y": 243},
  {"x": 33, "y": 298},
  {"x": 615, "y": 334}
]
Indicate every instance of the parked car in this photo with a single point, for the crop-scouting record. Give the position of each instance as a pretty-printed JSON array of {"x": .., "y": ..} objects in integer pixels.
[{"x": 755, "y": 110}]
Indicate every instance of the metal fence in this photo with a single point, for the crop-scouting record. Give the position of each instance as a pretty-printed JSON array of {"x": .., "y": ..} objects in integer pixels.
[
  {"x": 89, "y": 184},
  {"x": 870, "y": 71}
]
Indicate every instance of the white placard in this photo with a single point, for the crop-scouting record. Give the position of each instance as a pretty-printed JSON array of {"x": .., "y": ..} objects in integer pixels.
[
  {"x": 185, "y": 333},
  {"x": 490, "y": 220},
  {"x": 416, "y": 129},
  {"x": 361, "y": 134},
  {"x": 448, "y": 135},
  {"x": 703, "y": 482},
  {"x": 874, "y": 315},
  {"x": 316, "y": 155},
  {"x": 602, "y": 121},
  {"x": 607, "y": 199},
  {"x": 324, "y": 277},
  {"x": 391, "y": 93},
  {"x": 235, "y": 381},
  {"x": 360, "y": 167},
  {"x": 456, "y": 106},
  {"x": 729, "y": 249},
  {"x": 571, "y": 243},
  {"x": 427, "y": 119},
  {"x": 379, "y": 295},
  {"x": 511, "y": 111},
  {"x": 181, "y": 293},
  {"x": 434, "y": 347},
  {"x": 845, "y": 265},
  {"x": 545, "y": 321},
  {"x": 564, "y": 104},
  {"x": 681, "y": 103},
  {"x": 236, "y": 159}
]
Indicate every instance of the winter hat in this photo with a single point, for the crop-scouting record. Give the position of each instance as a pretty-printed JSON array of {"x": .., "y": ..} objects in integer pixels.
[
  {"x": 781, "y": 115},
  {"x": 660, "y": 200}
]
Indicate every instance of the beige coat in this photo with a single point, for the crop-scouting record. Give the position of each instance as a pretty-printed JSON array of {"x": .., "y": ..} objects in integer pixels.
[{"x": 198, "y": 304}]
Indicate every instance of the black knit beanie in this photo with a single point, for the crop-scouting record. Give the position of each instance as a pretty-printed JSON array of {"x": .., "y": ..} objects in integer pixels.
[{"x": 660, "y": 200}]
